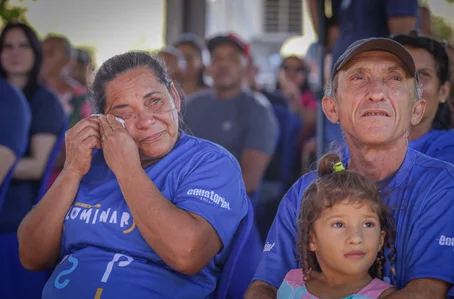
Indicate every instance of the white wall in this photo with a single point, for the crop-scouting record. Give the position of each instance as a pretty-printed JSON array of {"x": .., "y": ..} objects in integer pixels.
[{"x": 243, "y": 17}]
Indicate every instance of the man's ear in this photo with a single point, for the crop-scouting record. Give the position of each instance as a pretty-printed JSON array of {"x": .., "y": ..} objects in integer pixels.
[
  {"x": 329, "y": 105},
  {"x": 418, "y": 111}
]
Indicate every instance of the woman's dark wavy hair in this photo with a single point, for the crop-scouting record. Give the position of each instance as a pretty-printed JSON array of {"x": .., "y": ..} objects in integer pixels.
[
  {"x": 330, "y": 188},
  {"x": 33, "y": 81},
  {"x": 442, "y": 120}
]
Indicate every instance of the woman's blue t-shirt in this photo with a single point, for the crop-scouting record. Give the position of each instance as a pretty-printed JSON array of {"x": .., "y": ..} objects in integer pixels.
[{"x": 104, "y": 254}]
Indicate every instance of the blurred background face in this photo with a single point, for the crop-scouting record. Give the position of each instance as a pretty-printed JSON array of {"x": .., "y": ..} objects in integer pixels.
[
  {"x": 55, "y": 58},
  {"x": 194, "y": 63},
  {"x": 294, "y": 70},
  {"x": 17, "y": 55},
  {"x": 228, "y": 66},
  {"x": 174, "y": 68},
  {"x": 427, "y": 70},
  {"x": 82, "y": 69},
  {"x": 82, "y": 72},
  {"x": 149, "y": 110}
]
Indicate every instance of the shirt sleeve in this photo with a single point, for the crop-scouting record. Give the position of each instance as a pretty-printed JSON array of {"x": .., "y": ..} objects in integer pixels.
[
  {"x": 214, "y": 189},
  {"x": 401, "y": 8},
  {"x": 14, "y": 120},
  {"x": 431, "y": 244},
  {"x": 263, "y": 127},
  {"x": 280, "y": 254},
  {"x": 47, "y": 114}
]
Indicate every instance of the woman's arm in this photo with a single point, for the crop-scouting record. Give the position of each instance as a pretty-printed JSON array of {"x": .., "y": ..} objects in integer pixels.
[
  {"x": 32, "y": 168},
  {"x": 40, "y": 232},
  {"x": 184, "y": 240}
]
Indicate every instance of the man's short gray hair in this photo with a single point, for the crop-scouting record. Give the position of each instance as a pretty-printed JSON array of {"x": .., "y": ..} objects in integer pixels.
[{"x": 331, "y": 88}]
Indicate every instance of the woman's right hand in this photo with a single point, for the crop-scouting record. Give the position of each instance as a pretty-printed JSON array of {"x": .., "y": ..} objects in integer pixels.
[{"x": 80, "y": 141}]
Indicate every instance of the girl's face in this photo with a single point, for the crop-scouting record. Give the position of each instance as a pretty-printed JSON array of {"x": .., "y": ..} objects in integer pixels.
[{"x": 347, "y": 239}]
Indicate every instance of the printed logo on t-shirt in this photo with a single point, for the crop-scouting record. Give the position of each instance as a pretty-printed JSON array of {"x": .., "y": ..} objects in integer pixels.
[
  {"x": 446, "y": 241},
  {"x": 92, "y": 214},
  {"x": 268, "y": 246},
  {"x": 210, "y": 197}
]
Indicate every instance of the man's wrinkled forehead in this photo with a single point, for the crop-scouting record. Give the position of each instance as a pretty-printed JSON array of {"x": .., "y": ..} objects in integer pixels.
[{"x": 374, "y": 59}]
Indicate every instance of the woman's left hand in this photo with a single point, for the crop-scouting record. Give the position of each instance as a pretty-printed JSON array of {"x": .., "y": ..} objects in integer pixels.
[{"x": 120, "y": 150}]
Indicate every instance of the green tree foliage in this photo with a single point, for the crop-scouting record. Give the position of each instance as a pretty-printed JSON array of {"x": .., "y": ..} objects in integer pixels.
[
  {"x": 9, "y": 12},
  {"x": 442, "y": 29}
]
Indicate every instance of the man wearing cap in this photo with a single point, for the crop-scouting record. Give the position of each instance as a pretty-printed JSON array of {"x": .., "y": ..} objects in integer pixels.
[
  {"x": 238, "y": 119},
  {"x": 375, "y": 95},
  {"x": 358, "y": 19}
]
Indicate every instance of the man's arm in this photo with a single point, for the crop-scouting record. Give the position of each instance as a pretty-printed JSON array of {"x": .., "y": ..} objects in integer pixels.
[
  {"x": 422, "y": 288},
  {"x": 260, "y": 290},
  {"x": 280, "y": 253}
]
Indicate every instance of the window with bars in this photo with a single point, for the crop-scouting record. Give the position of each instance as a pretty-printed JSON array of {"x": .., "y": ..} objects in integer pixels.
[{"x": 283, "y": 16}]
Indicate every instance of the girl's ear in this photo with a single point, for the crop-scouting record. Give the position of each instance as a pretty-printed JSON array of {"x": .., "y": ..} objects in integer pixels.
[{"x": 312, "y": 244}]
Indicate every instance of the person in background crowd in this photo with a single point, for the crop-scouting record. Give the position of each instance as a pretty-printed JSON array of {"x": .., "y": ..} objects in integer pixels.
[
  {"x": 20, "y": 62},
  {"x": 193, "y": 49},
  {"x": 293, "y": 84},
  {"x": 57, "y": 55},
  {"x": 362, "y": 19},
  {"x": 15, "y": 121},
  {"x": 432, "y": 136},
  {"x": 174, "y": 202},
  {"x": 375, "y": 94},
  {"x": 240, "y": 120},
  {"x": 82, "y": 69},
  {"x": 174, "y": 61}
]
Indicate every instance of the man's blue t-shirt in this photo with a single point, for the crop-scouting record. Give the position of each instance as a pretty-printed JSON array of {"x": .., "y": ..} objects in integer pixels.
[
  {"x": 47, "y": 117},
  {"x": 358, "y": 19},
  {"x": 438, "y": 144},
  {"x": 103, "y": 251},
  {"x": 421, "y": 198},
  {"x": 15, "y": 121}
]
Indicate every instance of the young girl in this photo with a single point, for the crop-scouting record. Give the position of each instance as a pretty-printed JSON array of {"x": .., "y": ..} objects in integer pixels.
[{"x": 344, "y": 226}]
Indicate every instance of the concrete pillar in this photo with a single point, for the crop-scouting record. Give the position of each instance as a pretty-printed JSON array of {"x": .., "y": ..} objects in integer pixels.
[{"x": 184, "y": 16}]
